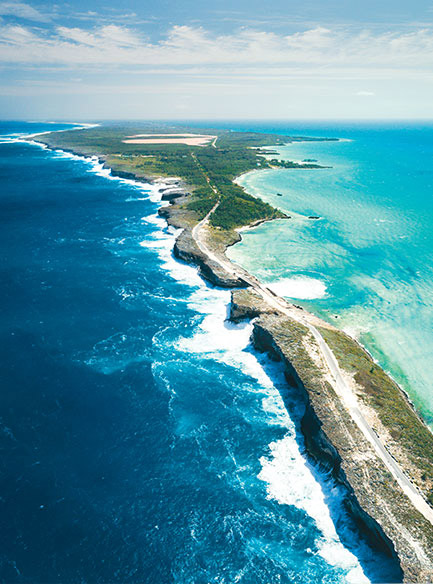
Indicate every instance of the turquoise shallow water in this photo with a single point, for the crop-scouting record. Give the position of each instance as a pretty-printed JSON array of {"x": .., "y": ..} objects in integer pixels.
[
  {"x": 367, "y": 263},
  {"x": 142, "y": 437}
]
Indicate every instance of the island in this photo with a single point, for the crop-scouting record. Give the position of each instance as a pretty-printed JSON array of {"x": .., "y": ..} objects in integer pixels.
[{"x": 358, "y": 423}]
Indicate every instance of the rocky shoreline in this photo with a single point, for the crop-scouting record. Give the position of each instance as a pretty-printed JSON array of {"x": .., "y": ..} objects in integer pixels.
[
  {"x": 186, "y": 248},
  {"x": 374, "y": 498}
]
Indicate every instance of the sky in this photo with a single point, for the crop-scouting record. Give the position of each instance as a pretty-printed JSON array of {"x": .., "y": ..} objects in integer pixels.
[{"x": 219, "y": 59}]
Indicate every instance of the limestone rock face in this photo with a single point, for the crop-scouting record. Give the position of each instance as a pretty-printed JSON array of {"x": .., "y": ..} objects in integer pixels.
[
  {"x": 374, "y": 498},
  {"x": 172, "y": 195},
  {"x": 247, "y": 304},
  {"x": 186, "y": 249}
]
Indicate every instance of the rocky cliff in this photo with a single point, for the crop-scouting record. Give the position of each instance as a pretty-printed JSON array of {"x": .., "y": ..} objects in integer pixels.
[{"x": 383, "y": 512}]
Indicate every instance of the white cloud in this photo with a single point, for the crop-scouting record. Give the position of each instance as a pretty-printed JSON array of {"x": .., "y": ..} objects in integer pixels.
[
  {"x": 365, "y": 93},
  {"x": 106, "y": 38},
  {"x": 21, "y": 10},
  {"x": 260, "y": 52},
  {"x": 17, "y": 36}
]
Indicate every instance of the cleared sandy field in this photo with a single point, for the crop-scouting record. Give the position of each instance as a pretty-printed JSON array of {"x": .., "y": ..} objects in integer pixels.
[{"x": 188, "y": 139}]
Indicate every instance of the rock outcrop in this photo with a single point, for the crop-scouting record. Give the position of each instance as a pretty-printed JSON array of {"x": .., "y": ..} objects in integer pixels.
[
  {"x": 381, "y": 509},
  {"x": 186, "y": 248},
  {"x": 247, "y": 304},
  {"x": 170, "y": 195}
]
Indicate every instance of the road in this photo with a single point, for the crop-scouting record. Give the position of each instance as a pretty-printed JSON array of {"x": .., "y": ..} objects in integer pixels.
[{"x": 342, "y": 389}]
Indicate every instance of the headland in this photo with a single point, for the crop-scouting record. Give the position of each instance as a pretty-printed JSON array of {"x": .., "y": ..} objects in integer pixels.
[{"x": 358, "y": 423}]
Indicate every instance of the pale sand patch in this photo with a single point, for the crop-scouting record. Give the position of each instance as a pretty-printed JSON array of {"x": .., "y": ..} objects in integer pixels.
[
  {"x": 178, "y": 135},
  {"x": 188, "y": 139}
]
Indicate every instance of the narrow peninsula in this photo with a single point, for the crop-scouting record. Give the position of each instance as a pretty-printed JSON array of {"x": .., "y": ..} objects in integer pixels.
[{"x": 358, "y": 423}]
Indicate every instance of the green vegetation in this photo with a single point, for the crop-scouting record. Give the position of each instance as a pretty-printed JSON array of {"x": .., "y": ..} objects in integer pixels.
[
  {"x": 291, "y": 164},
  {"x": 208, "y": 171},
  {"x": 393, "y": 409},
  {"x": 237, "y": 208},
  {"x": 289, "y": 336},
  {"x": 202, "y": 201},
  {"x": 376, "y": 491}
]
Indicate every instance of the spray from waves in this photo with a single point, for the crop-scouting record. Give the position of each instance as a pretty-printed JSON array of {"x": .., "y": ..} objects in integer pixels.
[
  {"x": 287, "y": 475},
  {"x": 164, "y": 244},
  {"x": 77, "y": 126},
  {"x": 23, "y": 137},
  {"x": 13, "y": 139},
  {"x": 19, "y": 139},
  {"x": 299, "y": 287},
  {"x": 157, "y": 242},
  {"x": 95, "y": 165},
  {"x": 227, "y": 342},
  {"x": 290, "y": 481},
  {"x": 154, "y": 219}
]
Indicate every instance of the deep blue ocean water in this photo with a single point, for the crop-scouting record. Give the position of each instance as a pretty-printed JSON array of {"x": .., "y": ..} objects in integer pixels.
[{"x": 142, "y": 439}]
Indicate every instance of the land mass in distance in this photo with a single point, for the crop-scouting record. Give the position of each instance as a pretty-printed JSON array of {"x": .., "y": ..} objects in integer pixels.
[{"x": 358, "y": 423}]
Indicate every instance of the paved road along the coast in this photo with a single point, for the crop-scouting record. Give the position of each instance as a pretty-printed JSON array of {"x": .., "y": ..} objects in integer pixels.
[{"x": 340, "y": 386}]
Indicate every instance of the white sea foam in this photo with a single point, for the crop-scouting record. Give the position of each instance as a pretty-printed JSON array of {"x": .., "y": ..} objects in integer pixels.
[
  {"x": 97, "y": 167},
  {"x": 285, "y": 471},
  {"x": 158, "y": 242},
  {"x": 162, "y": 241},
  {"x": 299, "y": 287},
  {"x": 154, "y": 219},
  {"x": 290, "y": 482},
  {"x": 27, "y": 138},
  {"x": 78, "y": 126},
  {"x": 9, "y": 140},
  {"x": 12, "y": 138}
]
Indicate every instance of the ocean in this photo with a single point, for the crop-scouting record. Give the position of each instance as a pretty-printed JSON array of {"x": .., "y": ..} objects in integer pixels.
[
  {"x": 142, "y": 438},
  {"x": 366, "y": 264}
]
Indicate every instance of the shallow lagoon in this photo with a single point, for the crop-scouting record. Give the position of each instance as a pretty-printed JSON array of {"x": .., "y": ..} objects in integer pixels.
[
  {"x": 367, "y": 263},
  {"x": 143, "y": 439}
]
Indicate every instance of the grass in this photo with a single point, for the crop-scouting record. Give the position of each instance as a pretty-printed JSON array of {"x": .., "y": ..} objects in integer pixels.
[
  {"x": 289, "y": 336},
  {"x": 199, "y": 167},
  {"x": 378, "y": 494},
  {"x": 237, "y": 208},
  {"x": 394, "y": 410}
]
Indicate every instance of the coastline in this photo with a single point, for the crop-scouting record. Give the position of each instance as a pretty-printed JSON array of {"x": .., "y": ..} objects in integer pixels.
[
  {"x": 319, "y": 445},
  {"x": 346, "y": 332},
  {"x": 353, "y": 337}
]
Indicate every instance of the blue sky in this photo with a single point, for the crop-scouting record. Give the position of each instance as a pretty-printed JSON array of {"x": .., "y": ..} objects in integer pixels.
[{"x": 190, "y": 59}]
